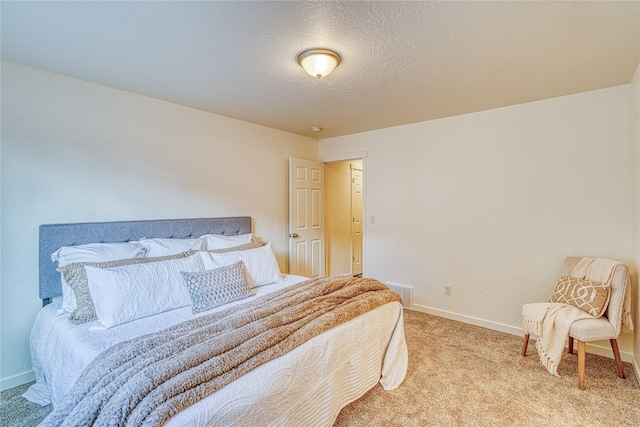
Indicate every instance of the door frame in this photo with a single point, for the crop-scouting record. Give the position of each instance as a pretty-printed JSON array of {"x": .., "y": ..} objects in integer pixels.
[
  {"x": 355, "y": 155},
  {"x": 361, "y": 218}
]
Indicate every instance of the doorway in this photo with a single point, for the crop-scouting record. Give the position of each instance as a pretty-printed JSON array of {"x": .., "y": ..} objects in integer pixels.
[{"x": 344, "y": 216}]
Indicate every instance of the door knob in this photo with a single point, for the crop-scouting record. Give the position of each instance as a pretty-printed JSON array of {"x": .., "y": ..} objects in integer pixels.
[{"x": 295, "y": 235}]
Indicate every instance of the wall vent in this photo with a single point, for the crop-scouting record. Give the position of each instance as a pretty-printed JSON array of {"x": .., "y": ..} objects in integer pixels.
[{"x": 405, "y": 292}]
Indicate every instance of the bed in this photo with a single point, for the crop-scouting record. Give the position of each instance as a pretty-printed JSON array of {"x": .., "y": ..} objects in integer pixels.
[{"x": 305, "y": 386}]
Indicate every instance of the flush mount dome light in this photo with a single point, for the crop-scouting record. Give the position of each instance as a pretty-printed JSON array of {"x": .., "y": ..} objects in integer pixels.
[{"x": 319, "y": 62}]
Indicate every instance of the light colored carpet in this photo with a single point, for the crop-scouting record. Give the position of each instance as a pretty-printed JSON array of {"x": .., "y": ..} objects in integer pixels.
[
  {"x": 16, "y": 411},
  {"x": 464, "y": 375}
]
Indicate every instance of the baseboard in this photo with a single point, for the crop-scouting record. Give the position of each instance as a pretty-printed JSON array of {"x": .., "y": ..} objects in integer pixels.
[
  {"x": 16, "y": 380},
  {"x": 469, "y": 319},
  {"x": 606, "y": 351},
  {"x": 514, "y": 330}
]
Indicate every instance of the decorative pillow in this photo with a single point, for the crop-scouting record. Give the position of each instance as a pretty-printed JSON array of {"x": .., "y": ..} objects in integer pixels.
[
  {"x": 92, "y": 252},
  {"x": 162, "y": 247},
  {"x": 586, "y": 295},
  {"x": 130, "y": 292},
  {"x": 212, "y": 288},
  {"x": 75, "y": 276},
  {"x": 218, "y": 241},
  {"x": 244, "y": 247},
  {"x": 261, "y": 263}
]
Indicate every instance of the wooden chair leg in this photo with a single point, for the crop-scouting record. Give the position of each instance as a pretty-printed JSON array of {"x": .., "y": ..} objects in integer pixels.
[
  {"x": 570, "y": 345},
  {"x": 581, "y": 359},
  {"x": 525, "y": 344},
  {"x": 616, "y": 354}
]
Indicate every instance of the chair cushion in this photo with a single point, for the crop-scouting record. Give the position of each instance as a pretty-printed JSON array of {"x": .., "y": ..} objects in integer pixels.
[
  {"x": 589, "y": 296},
  {"x": 592, "y": 329}
]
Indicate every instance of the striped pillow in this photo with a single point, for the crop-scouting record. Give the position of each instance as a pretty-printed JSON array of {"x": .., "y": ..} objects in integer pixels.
[
  {"x": 586, "y": 295},
  {"x": 76, "y": 277}
]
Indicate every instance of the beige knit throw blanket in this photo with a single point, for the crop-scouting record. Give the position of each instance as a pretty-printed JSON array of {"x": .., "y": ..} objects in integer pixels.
[
  {"x": 551, "y": 322},
  {"x": 144, "y": 381}
]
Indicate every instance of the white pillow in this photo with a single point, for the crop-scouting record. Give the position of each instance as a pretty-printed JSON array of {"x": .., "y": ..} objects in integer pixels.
[
  {"x": 162, "y": 247},
  {"x": 218, "y": 241},
  {"x": 92, "y": 252},
  {"x": 69, "y": 302},
  {"x": 261, "y": 263},
  {"x": 98, "y": 252},
  {"x": 130, "y": 292}
]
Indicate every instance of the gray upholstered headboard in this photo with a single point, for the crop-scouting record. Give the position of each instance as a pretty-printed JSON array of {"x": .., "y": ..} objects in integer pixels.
[{"x": 54, "y": 236}]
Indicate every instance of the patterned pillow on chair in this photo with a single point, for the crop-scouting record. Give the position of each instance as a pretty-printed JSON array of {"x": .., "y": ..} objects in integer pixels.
[{"x": 586, "y": 295}]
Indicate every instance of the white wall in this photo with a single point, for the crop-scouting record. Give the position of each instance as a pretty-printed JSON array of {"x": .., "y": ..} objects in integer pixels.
[
  {"x": 491, "y": 202},
  {"x": 75, "y": 152},
  {"x": 635, "y": 137}
]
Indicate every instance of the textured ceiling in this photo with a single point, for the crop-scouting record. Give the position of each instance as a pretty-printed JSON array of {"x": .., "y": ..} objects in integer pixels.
[{"x": 403, "y": 62}]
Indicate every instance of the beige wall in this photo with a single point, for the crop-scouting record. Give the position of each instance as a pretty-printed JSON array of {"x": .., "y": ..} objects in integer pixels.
[
  {"x": 75, "y": 152},
  {"x": 491, "y": 202},
  {"x": 338, "y": 216},
  {"x": 635, "y": 135}
]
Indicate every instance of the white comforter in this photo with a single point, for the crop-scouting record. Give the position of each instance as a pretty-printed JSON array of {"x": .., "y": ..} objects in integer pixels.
[{"x": 307, "y": 386}]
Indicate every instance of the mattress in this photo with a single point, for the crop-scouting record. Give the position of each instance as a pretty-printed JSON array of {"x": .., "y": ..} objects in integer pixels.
[{"x": 307, "y": 386}]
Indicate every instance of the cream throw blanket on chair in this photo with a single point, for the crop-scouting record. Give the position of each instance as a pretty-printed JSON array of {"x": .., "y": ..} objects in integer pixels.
[{"x": 551, "y": 321}]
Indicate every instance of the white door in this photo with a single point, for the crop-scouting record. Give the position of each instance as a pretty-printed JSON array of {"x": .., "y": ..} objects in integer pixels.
[
  {"x": 356, "y": 221},
  {"x": 306, "y": 218}
]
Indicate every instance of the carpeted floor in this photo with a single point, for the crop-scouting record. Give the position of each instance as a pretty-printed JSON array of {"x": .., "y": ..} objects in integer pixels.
[
  {"x": 16, "y": 411},
  {"x": 464, "y": 375}
]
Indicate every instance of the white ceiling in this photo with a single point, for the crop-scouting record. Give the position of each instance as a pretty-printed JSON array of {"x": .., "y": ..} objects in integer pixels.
[{"x": 403, "y": 62}]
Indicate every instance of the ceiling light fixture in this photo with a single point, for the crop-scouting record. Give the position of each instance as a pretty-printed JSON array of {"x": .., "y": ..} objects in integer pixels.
[{"x": 319, "y": 62}]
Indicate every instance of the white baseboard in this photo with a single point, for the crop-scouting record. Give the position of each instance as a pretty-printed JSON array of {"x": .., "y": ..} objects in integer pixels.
[
  {"x": 16, "y": 380},
  {"x": 469, "y": 319},
  {"x": 600, "y": 350}
]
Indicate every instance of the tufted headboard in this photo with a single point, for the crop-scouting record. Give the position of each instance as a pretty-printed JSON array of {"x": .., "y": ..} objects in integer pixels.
[{"x": 54, "y": 236}]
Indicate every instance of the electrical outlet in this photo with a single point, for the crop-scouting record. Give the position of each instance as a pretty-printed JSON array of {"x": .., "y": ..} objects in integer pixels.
[{"x": 447, "y": 289}]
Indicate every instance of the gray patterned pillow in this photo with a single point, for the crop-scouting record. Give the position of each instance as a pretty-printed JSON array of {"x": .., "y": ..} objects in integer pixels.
[
  {"x": 212, "y": 288},
  {"x": 76, "y": 277}
]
